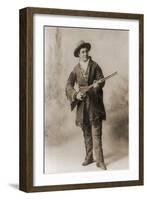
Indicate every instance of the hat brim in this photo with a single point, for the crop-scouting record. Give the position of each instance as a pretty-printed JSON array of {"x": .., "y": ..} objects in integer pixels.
[{"x": 76, "y": 51}]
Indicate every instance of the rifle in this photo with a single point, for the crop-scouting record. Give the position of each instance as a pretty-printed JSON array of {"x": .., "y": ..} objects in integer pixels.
[{"x": 85, "y": 89}]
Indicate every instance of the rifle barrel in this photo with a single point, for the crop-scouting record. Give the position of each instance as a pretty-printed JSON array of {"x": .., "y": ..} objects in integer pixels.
[
  {"x": 107, "y": 77},
  {"x": 86, "y": 88}
]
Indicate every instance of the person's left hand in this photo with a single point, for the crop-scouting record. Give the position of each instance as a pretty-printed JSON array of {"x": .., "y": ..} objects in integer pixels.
[{"x": 95, "y": 84}]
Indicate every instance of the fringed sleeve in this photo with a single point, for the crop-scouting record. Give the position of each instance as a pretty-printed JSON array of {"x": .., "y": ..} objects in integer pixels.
[{"x": 70, "y": 91}]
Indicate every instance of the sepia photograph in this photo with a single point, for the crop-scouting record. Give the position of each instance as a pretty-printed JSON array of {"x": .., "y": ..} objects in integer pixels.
[
  {"x": 81, "y": 99},
  {"x": 86, "y": 99}
]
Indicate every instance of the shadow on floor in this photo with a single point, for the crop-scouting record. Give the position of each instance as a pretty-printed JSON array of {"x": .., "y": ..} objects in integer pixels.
[
  {"x": 14, "y": 185},
  {"x": 114, "y": 156}
]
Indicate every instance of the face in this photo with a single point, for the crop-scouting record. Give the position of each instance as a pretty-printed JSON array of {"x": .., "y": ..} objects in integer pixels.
[{"x": 84, "y": 54}]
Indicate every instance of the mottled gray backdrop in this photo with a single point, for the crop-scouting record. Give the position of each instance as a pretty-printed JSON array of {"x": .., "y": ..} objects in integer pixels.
[{"x": 64, "y": 146}]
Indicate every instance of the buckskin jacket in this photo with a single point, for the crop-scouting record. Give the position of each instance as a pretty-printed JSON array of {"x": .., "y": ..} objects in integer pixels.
[{"x": 92, "y": 106}]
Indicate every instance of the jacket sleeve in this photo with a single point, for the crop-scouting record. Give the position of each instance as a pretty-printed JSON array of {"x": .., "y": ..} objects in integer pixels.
[
  {"x": 70, "y": 91},
  {"x": 99, "y": 75}
]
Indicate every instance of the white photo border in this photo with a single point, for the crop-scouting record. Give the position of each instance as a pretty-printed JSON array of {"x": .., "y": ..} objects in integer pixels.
[{"x": 41, "y": 179}]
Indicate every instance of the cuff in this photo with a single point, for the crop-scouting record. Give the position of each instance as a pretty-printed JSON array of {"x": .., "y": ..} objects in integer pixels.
[{"x": 73, "y": 98}]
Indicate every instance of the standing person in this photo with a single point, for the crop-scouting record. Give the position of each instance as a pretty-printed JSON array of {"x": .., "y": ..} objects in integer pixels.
[{"x": 90, "y": 109}]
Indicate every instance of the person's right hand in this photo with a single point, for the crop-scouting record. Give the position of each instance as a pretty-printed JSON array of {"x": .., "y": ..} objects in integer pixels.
[{"x": 79, "y": 96}]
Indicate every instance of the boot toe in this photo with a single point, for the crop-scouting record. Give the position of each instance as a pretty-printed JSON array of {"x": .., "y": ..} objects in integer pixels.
[
  {"x": 101, "y": 165},
  {"x": 87, "y": 162}
]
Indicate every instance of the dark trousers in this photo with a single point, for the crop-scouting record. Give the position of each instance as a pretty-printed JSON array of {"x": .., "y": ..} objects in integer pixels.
[{"x": 93, "y": 141}]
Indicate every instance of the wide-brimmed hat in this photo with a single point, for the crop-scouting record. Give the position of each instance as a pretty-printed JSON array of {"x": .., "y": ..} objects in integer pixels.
[{"x": 81, "y": 44}]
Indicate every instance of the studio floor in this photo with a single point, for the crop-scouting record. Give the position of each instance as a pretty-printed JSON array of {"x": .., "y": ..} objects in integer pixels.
[{"x": 68, "y": 157}]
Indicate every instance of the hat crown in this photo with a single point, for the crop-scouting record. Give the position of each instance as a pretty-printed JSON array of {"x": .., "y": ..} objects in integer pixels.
[{"x": 81, "y": 42}]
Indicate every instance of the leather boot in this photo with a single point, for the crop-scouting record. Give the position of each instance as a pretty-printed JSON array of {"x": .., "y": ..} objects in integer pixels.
[
  {"x": 101, "y": 165},
  {"x": 87, "y": 161}
]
